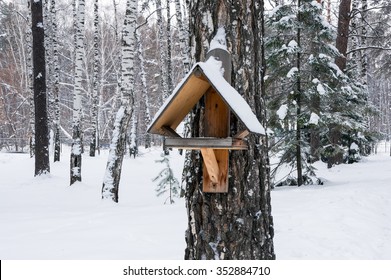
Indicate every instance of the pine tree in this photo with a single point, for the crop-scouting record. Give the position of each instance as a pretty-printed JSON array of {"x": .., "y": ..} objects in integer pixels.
[
  {"x": 300, "y": 35},
  {"x": 167, "y": 183}
]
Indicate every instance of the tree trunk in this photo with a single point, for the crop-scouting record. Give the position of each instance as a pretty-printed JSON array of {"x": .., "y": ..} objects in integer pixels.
[
  {"x": 39, "y": 84},
  {"x": 364, "y": 53},
  {"x": 75, "y": 164},
  {"x": 298, "y": 103},
  {"x": 238, "y": 224},
  {"x": 56, "y": 93},
  {"x": 112, "y": 177},
  {"x": 29, "y": 84},
  {"x": 162, "y": 51},
  {"x": 342, "y": 46},
  {"x": 343, "y": 33},
  {"x": 147, "y": 114},
  {"x": 95, "y": 89}
]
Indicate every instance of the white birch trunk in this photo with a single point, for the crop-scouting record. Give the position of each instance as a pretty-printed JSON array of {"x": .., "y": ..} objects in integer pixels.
[
  {"x": 76, "y": 151},
  {"x": 118, "y": 142},
  {"x": 182, "y": 37},
  {"x": 143, "y": 78},
  {"x": 95, "y": 89},
  {"x": 162, "y": 50},
  {"x": 29, "y": 83},
  {"x": 56, "y": 82}
]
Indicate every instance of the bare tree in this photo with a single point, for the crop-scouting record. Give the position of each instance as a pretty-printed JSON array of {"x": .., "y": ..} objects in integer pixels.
[
  {"x": 118, "y": 142},
  {"x": 39, "y": 84},
  {"x": 95, "y": 89},
  {"x": 56, "y": 83},
  {"x": 75, "y": 164}
]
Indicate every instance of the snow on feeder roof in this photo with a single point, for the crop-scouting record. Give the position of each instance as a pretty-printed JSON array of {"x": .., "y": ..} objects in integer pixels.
[{"x": 193, "y": 87}]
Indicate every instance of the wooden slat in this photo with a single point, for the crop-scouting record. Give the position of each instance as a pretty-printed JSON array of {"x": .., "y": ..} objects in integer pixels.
[
  {"x": 211, "y": 165},
  {"x": 181, "y": 104},
  {"x": 242, "y": 134},
  {"x": 216, "y": 124},
  {"x": 222, "y": 185},
  {"x": 168, "y": 131},
  {"x": 198, "y": 143}
]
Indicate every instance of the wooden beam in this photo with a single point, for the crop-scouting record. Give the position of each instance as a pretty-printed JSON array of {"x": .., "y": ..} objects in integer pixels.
[
  {"x": 210, "y": 142},
  {"x": 211, "y": 165},
  {"x": 168, "y": 131},
  {"x": 242, "y": 134}
]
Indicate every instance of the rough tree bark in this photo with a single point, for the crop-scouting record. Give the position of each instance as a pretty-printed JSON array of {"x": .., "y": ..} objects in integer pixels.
[
  {"x": 118, "y": 142},
  {"x": 56, "y": 83},
  {"x": 298, "y": 102},
  {"x": 238, "y": 224},
  {"x": 39, "y": 85},
  {"x": 75, "y": 163},
  {"x": 95, "y": 89},
  {"x": 29, "y": 83},
  {"x": 342, "y": 46},
  {"x": 162, "y": 51},
  {"x": 145, "y": 97}
]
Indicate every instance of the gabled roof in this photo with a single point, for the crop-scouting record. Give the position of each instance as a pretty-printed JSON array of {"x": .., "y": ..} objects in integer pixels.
[{"x": 185, "y": 96}]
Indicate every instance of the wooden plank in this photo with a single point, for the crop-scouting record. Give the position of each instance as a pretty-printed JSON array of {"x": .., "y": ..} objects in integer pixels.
[
  {"x": 211, "y": 165},
  {"x": 168, "y": 131},
  {"x": 209, "y": 186},
  {"x": 198, "y": 143},
  {"x": 242, "y": 134},
  {"x": 217, "y": 113},
  {"x": 216, "y": 124},
  {"x": 181, "y": 104}
]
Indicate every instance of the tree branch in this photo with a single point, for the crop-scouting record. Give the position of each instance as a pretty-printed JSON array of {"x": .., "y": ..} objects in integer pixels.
[{"x": 369, "y": 47}]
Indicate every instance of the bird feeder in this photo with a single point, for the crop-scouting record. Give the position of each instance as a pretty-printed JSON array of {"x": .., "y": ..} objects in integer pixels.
[{"x": 211, "y": 80}]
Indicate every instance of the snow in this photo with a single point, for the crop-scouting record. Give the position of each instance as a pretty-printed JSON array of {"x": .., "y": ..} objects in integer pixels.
[
  {"x": 292, "y": 46},
  {"x": 282, "y": 111},
  {"x": 314, "y": 119},
  {"x": 292, "y": 72},
  {"x": 354, "y": 146},
  {"x": 43, "y": 218},
  {"x": 320, "y": 89},
  {"x": 212, "y": 69},
  {"x": 234, "y": 100},
  {"x": 219, "y": 41}
]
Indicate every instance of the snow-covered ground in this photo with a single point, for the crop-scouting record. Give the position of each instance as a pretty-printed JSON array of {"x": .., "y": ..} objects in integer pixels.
[{"x": 349, "y": 217}]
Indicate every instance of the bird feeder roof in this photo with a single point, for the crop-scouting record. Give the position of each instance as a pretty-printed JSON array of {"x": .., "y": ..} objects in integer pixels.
[{"x": 190, "y": 90}]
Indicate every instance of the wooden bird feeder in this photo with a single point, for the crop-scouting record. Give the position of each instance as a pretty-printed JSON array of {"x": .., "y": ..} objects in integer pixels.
[{"x": 206, "y": 79}]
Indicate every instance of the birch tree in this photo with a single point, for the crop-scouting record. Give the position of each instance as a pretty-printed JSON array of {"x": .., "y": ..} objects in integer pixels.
[
  {"x": 236, "y": 225},
  {"x": 95, "y": 89},
  {"x": 118, "y": 142},
  {"x": 29, "y": 66},
  {"x": 56, "y": 83},
  {"x": 162, "y": 50},
  {"x": 76, "y": 151},
  {"x": 144, "y": 89}
]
